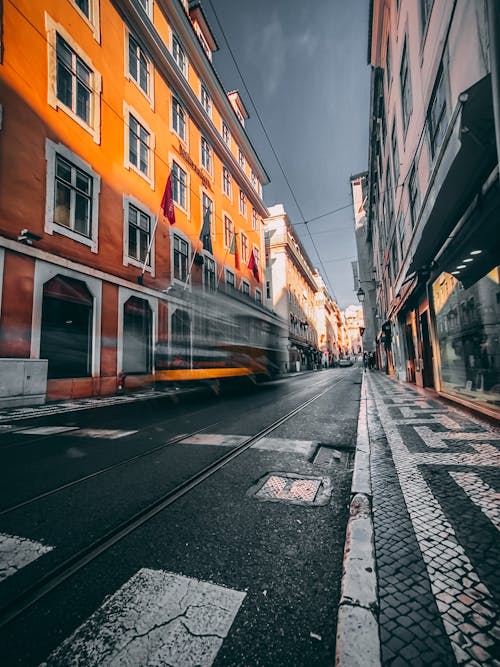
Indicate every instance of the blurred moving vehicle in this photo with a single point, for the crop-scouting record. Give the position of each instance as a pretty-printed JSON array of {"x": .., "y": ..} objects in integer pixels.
[
  {"x": 219, "y": 336},
  {"x": 346, "y": 361}
]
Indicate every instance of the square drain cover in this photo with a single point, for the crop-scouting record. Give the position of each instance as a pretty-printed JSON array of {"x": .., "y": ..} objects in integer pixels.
[{"x": 292, "y": 488}]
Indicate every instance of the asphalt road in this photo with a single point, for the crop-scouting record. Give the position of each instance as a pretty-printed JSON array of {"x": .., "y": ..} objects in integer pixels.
[{"x": 220, "y": 576}]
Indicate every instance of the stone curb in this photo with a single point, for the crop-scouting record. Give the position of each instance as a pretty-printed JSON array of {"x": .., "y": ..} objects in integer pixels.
[{"x": 358, "y": 641}]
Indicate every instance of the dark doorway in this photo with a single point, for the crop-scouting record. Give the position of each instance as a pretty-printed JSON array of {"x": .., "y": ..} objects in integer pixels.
[
  {"x": 137, "y": 342},
  {"x": 65, "y": 337},
  {"x": 428, "y": 370}
]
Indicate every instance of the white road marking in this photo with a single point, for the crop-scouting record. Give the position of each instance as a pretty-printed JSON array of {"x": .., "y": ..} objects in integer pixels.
[
  {"x": 107, "y": 433},
  {"x": 17, "y": 552},
  {"x": 47, "y": 430},
  {"x": 155, "y": 618},
  {"x": 302, "y": 447},
  {"x": 481, "y": 494}
]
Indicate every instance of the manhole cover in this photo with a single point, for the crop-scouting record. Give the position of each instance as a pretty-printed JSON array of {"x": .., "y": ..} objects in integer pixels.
[{"x": 292, "y": 488}]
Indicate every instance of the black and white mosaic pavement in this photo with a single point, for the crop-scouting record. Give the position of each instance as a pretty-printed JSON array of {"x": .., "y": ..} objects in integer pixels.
[{"x": 436, "y": 502}]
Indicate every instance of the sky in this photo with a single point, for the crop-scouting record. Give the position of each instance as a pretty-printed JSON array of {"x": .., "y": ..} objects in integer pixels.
[{"x": 304, "y": 64}]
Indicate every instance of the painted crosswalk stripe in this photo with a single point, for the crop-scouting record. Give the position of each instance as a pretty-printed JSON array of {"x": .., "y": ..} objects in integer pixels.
[
  {"x": 481, "y": 494},
  {"x": 155, "y": 618},
  {"x": 107, "y": 433},
  {"x": 47, "y": 430},
  {"x": 17, "y": 552},
  {"x": 302, "y": 447}
]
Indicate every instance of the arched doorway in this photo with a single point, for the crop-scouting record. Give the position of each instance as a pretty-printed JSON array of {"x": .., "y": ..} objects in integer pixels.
[
  {"x": 137, "y": 331},
  {"x": 65, "y": 336},
  {"x": 181, "y": 339}
]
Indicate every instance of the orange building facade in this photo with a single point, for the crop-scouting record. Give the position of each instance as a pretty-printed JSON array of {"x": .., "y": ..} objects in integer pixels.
[{"x": 101, "y": 102}]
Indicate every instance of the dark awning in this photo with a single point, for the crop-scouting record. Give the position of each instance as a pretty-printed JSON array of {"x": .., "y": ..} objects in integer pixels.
[
  {"x": 475, "y": 250},
  {"x": 468, "y": 159}
]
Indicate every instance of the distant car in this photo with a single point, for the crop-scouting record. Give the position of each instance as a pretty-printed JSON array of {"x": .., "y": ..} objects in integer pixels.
[{"x": 345, "y": 361}]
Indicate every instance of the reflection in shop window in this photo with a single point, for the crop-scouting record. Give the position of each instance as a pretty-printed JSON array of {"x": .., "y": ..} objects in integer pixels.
[{"x": 468, "y": 331}]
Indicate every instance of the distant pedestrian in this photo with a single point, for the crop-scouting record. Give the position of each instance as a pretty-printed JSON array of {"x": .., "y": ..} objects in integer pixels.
[
  {"x": 371, "y": 361},
  {"x": 365, "y": 360}
]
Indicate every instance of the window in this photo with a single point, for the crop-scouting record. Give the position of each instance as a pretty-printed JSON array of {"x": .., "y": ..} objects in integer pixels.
[
  {"x": 84, "y": 6},
  {"x": 395, "y": 154},
  {"x": 178, "y": 119},
  {"x": 268, "y": 289},
  {"x": 243, "y": 203},
  {"x": 138, "y": 146},
  {"x": 389, "y": 196},
  {"x": 245, "y": 288},
  {"x": 209, "y": 273},
  {"x": 226, "y": 135},
  {"x": 74, "y": 84},
  {"x": 244, "y": 248},
  {"x": 179, "y": 55},
  {"x": 413, "y": 196},
  {"x": 256, "y": 255},
  {"x": 253, "y": 179},
  {"x": 241, "y": 159},
  {"x": 73, "y": 197},
  {"x": 138, "y": 65},
  {"x": 74, "y": 81},
  {"x": 388, "y": 63},
  {"x": 425, "y": 11},
  {"x": 437, "y": 116},
  {"x": 226, "y": 182},
  {"x": 228, "y": 232},
  {"x": 206, "y": 100},
  {"x": 230, "y": 279},
  {"x": 72, "y": 200},
  {"x": 139, "y": 235},
  {"x": 179, "y": 185},
  {"x": 254, "y": 219},
  {"x": 181, "y": 254},
  {"x": 206, "y": 155},
  {"x": 146, "y": 5},
  {"x": 258, "y": 296},
  {"x": 404, "y": 77},
  {"x": 207, "y": 205}
]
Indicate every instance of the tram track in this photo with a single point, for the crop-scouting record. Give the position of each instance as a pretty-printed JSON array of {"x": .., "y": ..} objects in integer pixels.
[{"x": 78, "y": 560}]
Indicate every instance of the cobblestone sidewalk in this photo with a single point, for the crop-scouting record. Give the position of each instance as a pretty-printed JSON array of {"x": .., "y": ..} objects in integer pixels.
[{"x": 436, "y": 480}]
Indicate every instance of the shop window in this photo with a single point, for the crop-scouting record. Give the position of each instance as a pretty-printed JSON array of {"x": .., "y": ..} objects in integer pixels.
[
  {"x": 65, "y": 336},
  {"x": 137, "y": 341},
  {"x": 181, "y": 339}
]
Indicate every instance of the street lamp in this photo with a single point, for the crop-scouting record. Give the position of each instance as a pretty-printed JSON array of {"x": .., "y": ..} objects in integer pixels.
[{"x": 361, "y": 295}]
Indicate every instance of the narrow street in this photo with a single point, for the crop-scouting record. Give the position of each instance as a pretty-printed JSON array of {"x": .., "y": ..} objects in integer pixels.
[{"x": 273, "y": 554}]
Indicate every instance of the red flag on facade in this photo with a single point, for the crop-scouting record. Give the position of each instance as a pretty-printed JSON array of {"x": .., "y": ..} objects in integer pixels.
[
  {"x": 167, "y": 202},
  {"x": 234, "y": 251},
  {"x": 252, "y": 265}
]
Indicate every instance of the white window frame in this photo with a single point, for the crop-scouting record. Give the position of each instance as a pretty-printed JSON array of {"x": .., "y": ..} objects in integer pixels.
[
  {"x": 210, "y": 197},
  {"x": 177, "y": 281},
  {"x": 181, "y": 165},
  {"x": 254, "y": 219},
  {"x": 210, "y": 258},
  {"x": 150, "y": 265},
  {"x": 241, "y": 159},
  {"x": 244, "y": 283},
  {"x": 150, "y": 176},
  {"x": 149, "y": 93},
  {"x": 242, "y": 204},
  {"x": 148, "y": 8},
  {"x": 210, "y": 152},
  {"x": 244, "y": 248},
  {"x": 258, "y": 296},
  {"x": 226, "y": 133},
  {"x": 206, "y": 100},
  {"x": 93, "y": 20},
  {"x": 229, "y": 181},
  {"x": 231, "y": 273},
  {"x": 51, "y": 227},
  {"x": 175, "y": 100},
  {"x": 184, "y": 69},
  {"x": 94, "y": 127},
  {"x": 227, "y": 246}
]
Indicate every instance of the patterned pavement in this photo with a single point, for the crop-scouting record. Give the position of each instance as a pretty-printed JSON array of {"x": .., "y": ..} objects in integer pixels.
[{"x": 436, "y": 480}]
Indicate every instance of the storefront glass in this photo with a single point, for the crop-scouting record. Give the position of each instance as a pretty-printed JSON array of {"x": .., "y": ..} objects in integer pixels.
[{"x": 468, "y": 332}]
